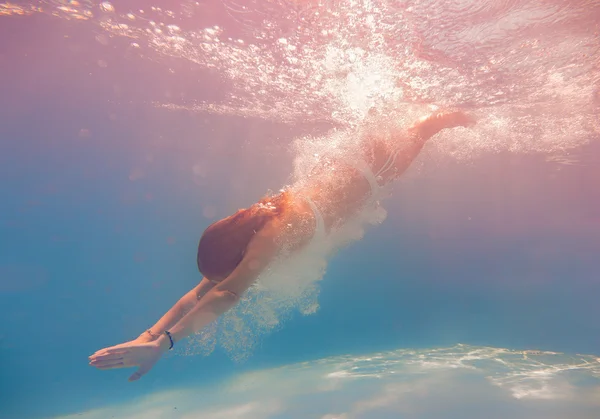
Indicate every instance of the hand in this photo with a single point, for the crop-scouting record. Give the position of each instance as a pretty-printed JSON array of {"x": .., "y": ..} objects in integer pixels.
[{"x": 129, "y": 354}]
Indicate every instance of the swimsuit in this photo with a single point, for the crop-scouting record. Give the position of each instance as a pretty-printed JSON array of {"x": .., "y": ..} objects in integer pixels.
[
  {"x": 377, "y": 191},
  {"x": 374, "y": 178},
  {"x": 320, "y": 232}
]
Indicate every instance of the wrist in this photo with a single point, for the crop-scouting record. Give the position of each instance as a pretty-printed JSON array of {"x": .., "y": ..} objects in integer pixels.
[
  {"x": 148, "y": 336},
  {"x": 145, "y": 338},
  {"x": 163, "y": 342}
]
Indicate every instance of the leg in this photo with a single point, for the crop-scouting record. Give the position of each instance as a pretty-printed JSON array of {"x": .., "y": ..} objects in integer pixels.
[
  {"x": 433, "y": 124},
  {"x": 392, "y": 160}
]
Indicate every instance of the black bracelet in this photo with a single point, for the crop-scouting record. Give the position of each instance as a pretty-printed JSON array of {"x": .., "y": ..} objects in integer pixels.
[{"x": 170, "y": 338}]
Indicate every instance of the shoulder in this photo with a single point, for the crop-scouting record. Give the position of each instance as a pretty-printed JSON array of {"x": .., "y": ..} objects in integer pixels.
[
  {"x": 261, "y": 250},
  {"x": 264, "y": 244}
]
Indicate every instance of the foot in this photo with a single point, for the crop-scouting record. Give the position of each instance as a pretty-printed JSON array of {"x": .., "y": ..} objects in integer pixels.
[
  {"x": 436, "y": 122},
  {"x": 454, "y": 119}
]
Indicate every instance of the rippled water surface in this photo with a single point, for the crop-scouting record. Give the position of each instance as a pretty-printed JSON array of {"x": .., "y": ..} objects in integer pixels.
[
  {"x": 528, "y": 68},
  {"x": 457, "y": 382}
]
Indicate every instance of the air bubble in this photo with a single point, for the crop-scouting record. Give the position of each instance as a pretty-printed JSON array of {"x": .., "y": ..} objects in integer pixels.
[
  {"x": 107, "y": 7},
  {"x": 84, "y": 133},
  {"x": 199, "y": 170},
  {"x": 136, "y": 174},
  {"x": 102, "y": 39}
]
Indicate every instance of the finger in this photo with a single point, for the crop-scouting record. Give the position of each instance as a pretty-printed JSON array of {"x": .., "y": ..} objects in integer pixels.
[
  {"x": 101, "y": 362},
  {"x": 110, "y": 366},
  {"x": 111, "y": 348},
  {"x": 109, "y": 351},
  {"x": 112, "y": 357},
  {"x": 139, "y": 373},
  {"x": 108, "y": 357},
  {"x": 103, "y": 350}
]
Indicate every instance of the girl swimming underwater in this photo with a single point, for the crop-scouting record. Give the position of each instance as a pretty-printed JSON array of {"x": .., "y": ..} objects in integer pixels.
[{"x": 233, "y": 252}]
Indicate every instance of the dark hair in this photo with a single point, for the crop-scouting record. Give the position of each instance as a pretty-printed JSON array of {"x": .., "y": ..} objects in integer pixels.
[{"x": 223, "y": 244}]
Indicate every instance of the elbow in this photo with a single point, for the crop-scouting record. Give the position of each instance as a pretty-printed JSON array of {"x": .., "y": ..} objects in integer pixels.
[
  {"x": 224, "y": 300},
  {"x": 229, "y": 296}
]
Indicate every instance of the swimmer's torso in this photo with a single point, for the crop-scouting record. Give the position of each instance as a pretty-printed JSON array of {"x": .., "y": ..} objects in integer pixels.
[{"x": 338, "y": 191}]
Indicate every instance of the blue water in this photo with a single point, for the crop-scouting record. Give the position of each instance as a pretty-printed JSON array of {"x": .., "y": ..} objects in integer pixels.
[{"x": 102, "y": 209}]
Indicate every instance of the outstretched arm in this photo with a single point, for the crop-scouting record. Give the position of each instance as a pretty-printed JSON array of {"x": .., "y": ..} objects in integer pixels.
[
  {"x": 215, "y": 302},
  {"x": 184, "y": 305},
  {"x": 225, "y": 294}
]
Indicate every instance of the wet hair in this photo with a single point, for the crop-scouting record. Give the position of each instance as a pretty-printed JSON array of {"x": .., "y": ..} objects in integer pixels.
[{"x": 223, "y": 244}]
